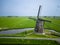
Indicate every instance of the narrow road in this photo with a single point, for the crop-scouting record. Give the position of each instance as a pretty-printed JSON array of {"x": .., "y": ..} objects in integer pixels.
[{"x": 56, "y": 39}]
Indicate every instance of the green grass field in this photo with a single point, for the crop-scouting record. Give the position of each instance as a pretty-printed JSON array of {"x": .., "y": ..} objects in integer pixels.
[
  {"x": 25, "y": 22},
  {"x": 27, "y": 41},
  {"x": 16, "y": 22},
  {"x": 54, "y": 25}
]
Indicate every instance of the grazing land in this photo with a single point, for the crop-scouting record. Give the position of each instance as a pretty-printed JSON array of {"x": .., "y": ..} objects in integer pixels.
[
  {"x": 54, "y": 25},
  {"x": 24, "y": 22},
  {"x": 15, "y": 22}
]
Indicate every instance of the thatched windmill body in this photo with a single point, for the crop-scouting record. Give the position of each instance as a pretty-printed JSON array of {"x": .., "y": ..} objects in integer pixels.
[{"x": 39, "y": 28}]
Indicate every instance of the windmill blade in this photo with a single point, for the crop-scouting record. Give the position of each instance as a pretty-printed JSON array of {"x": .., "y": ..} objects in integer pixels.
[
  {"x": 38, "y": 15},
  {"x": 44, "y": 20},
  {"x": 39, "y": 12},
  {"x": 36, "y": 19}
]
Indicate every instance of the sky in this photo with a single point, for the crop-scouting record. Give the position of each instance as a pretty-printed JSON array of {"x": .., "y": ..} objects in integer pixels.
[{"x": 29, "y": 7}]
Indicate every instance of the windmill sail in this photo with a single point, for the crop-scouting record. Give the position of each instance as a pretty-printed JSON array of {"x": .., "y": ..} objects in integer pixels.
[{"x": 39, "y": 12}]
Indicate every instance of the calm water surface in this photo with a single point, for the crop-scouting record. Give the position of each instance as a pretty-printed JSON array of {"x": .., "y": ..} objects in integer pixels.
[{"x": 15, "y": 31}]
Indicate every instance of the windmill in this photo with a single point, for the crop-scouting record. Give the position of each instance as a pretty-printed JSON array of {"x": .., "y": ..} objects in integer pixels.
[{"x": 39, "y": 23}]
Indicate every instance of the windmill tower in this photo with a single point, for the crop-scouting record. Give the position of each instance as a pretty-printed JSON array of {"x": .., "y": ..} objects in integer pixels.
[
  {"x": 39, "y": 28},
  {"x": 39, "y": 23}
]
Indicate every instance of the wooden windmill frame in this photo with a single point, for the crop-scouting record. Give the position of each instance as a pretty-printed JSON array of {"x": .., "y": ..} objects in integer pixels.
[{"x": 39, "y": 28}]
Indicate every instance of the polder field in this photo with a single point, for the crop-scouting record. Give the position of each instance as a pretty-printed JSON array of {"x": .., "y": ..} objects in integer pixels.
[
  {"x": 21, "y": 22},
  {"x": 13, "y": 22},
  {"x": 16, "y": 22}
]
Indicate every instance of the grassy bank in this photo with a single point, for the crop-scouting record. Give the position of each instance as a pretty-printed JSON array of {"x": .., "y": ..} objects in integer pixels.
[{"x": 27, "y": 41}]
